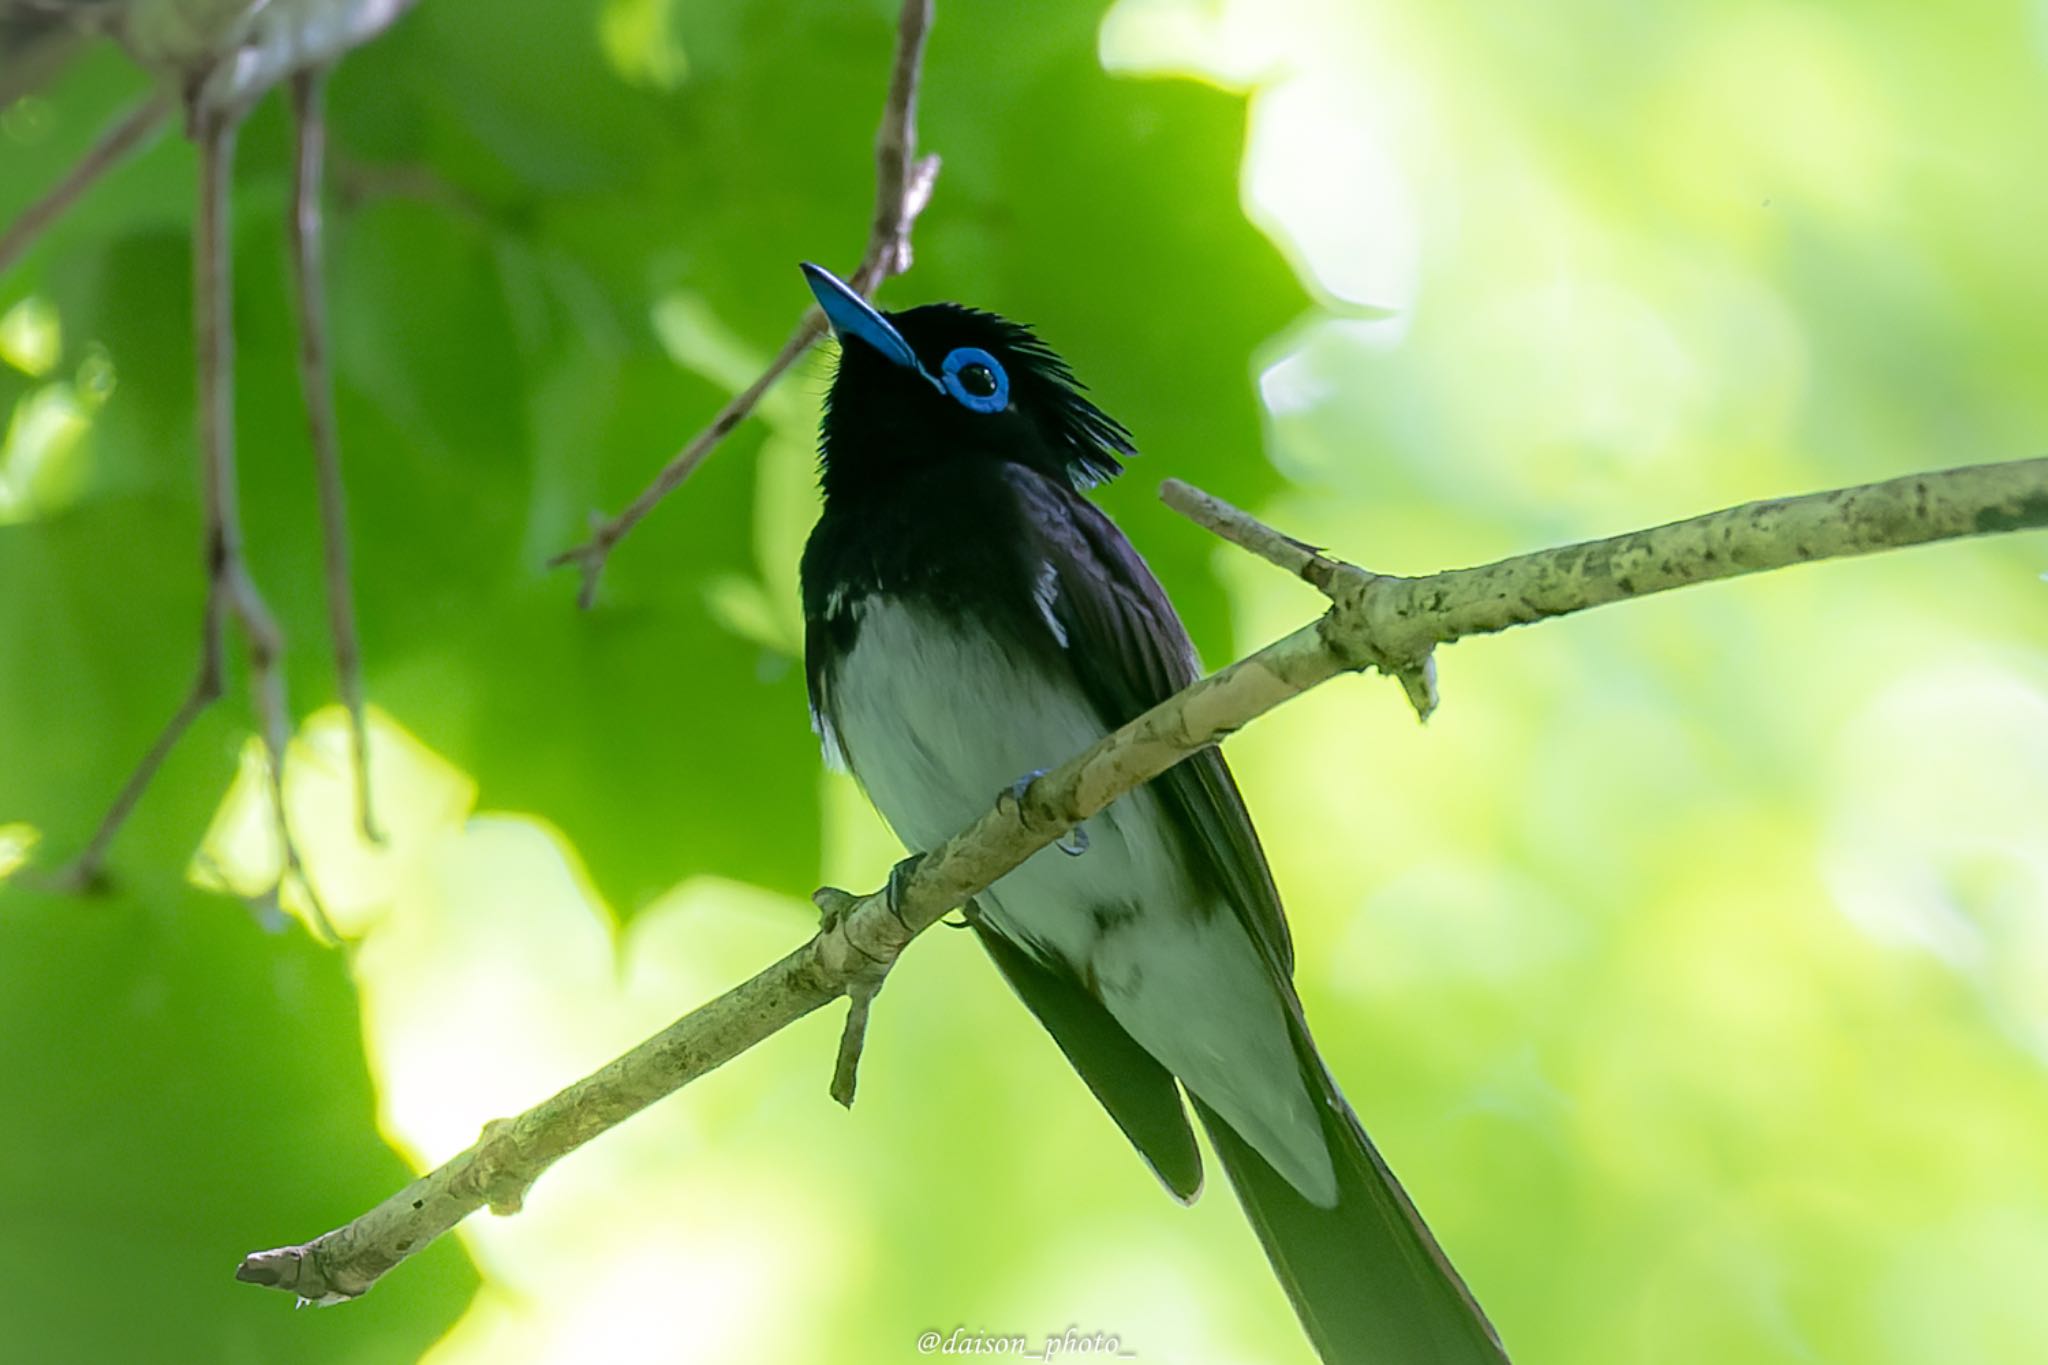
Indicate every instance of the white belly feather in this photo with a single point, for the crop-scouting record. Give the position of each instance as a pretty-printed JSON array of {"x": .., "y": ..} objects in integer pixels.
[{"x": 935, "y": 720}]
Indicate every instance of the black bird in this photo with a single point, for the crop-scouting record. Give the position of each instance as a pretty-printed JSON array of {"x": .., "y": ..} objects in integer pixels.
[{"x": 969, "y": 620}]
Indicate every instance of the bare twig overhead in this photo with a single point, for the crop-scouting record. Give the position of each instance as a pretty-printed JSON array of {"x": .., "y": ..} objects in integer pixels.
[
  {"x": 1374, "y": 621},
  {"x": 903, "y": 186},
  {"x": 123, "y": 137},
  {"x": 222, "y": 60},
  {"x": 227, "y": 587},
  {"x": 230, "y": 591},
  {"x": 317, "y": 382}
]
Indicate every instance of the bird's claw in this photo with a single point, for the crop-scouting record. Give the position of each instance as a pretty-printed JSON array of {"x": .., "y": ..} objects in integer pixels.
[
  {"x": 899, "y": 885},
  {"x": 1074, "y": 842},
  {"x": 1016, "y": 790},
  {"x": 834, "y": 905}
]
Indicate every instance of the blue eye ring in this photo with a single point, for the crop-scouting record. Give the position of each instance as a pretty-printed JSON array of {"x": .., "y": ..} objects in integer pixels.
[{"x": 967, "y": 373}]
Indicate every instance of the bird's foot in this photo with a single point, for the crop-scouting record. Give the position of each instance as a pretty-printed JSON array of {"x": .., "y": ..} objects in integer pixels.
[
  {"x": 1074, "y": 842},
  {"x": 899, "y": 886},
  {"x": 862, "y": 984},
  {"x": 1016, "y": 790},
  {"x": 835, "y": 905}
]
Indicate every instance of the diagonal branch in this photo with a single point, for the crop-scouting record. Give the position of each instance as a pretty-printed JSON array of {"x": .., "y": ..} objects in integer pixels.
[
  {"x": 903, "y": 186},
  {"x": 122, "y": 139},
  {"x": 87, "y": 871},
  {"x": 1374, "y": 621}
]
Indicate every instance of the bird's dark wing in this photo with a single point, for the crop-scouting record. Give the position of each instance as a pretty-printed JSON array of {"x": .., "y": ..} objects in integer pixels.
[
  {"x": 1138, "y": 1092},
  {"x": 1130, "y": 652},
  {"x": 1366, "y": 1276}
]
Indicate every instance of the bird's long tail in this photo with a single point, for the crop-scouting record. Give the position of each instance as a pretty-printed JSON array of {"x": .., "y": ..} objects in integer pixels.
[{"x": 1367, "y": 1279}]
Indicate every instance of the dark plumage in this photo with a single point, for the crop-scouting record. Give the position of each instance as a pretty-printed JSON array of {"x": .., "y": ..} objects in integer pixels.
[
  {"x": 885, "y": 410},
  {"x": 971, "y": 618}
]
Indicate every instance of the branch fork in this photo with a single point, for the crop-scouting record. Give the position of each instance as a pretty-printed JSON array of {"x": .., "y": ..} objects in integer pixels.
[
  {"x": 864, "y": 966},
  {"x": 903, "y": 187},
  {"x": 1365, "y": 626}
]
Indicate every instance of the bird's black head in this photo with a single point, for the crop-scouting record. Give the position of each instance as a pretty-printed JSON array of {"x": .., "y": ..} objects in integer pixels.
[{"x": 945, "y": 383}]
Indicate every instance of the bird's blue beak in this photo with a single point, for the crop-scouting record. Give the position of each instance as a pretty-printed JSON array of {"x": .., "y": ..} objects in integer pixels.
[{"x": 853, "y": 316}]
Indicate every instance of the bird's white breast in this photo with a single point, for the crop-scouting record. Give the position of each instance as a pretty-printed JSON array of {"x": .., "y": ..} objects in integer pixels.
[{"x": 936, "y": 717}]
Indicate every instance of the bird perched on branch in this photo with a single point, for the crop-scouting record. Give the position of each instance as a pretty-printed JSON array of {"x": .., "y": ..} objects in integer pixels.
[{"x": 970, "y": 620}]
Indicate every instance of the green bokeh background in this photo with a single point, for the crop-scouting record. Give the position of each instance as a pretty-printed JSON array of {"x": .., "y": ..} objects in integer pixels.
[{"x": 1691, "y": 965}]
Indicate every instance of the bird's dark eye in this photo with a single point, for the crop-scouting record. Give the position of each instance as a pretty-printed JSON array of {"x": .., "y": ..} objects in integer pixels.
[{"x": 976, "y": 379}]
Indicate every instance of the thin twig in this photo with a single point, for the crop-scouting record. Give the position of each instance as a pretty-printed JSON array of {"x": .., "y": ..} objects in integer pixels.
[
  {"x": 220, "y": 88},
  {"x": 230, "y": 590},
  {"x": 901, "y": 190},
  {"x": 1373, "y": 621},
  {"x": 1219, "y": 518},
  {"x": 213, "y": 309},
  {"x": 833, "y": 905},
  {"x": 903, "y": 186},
  {"x": 1329, "y": 576},
  {"x": 214, "y": 342},
  {"x": 606, "y": 531},
  {"x": 317, "y": 382},
  {"x": 87, "y": 871},
  {"x": 221, "y": 553},
  {"x": 852, "y": 1039},
  {"x": 123, "y": 137}
]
